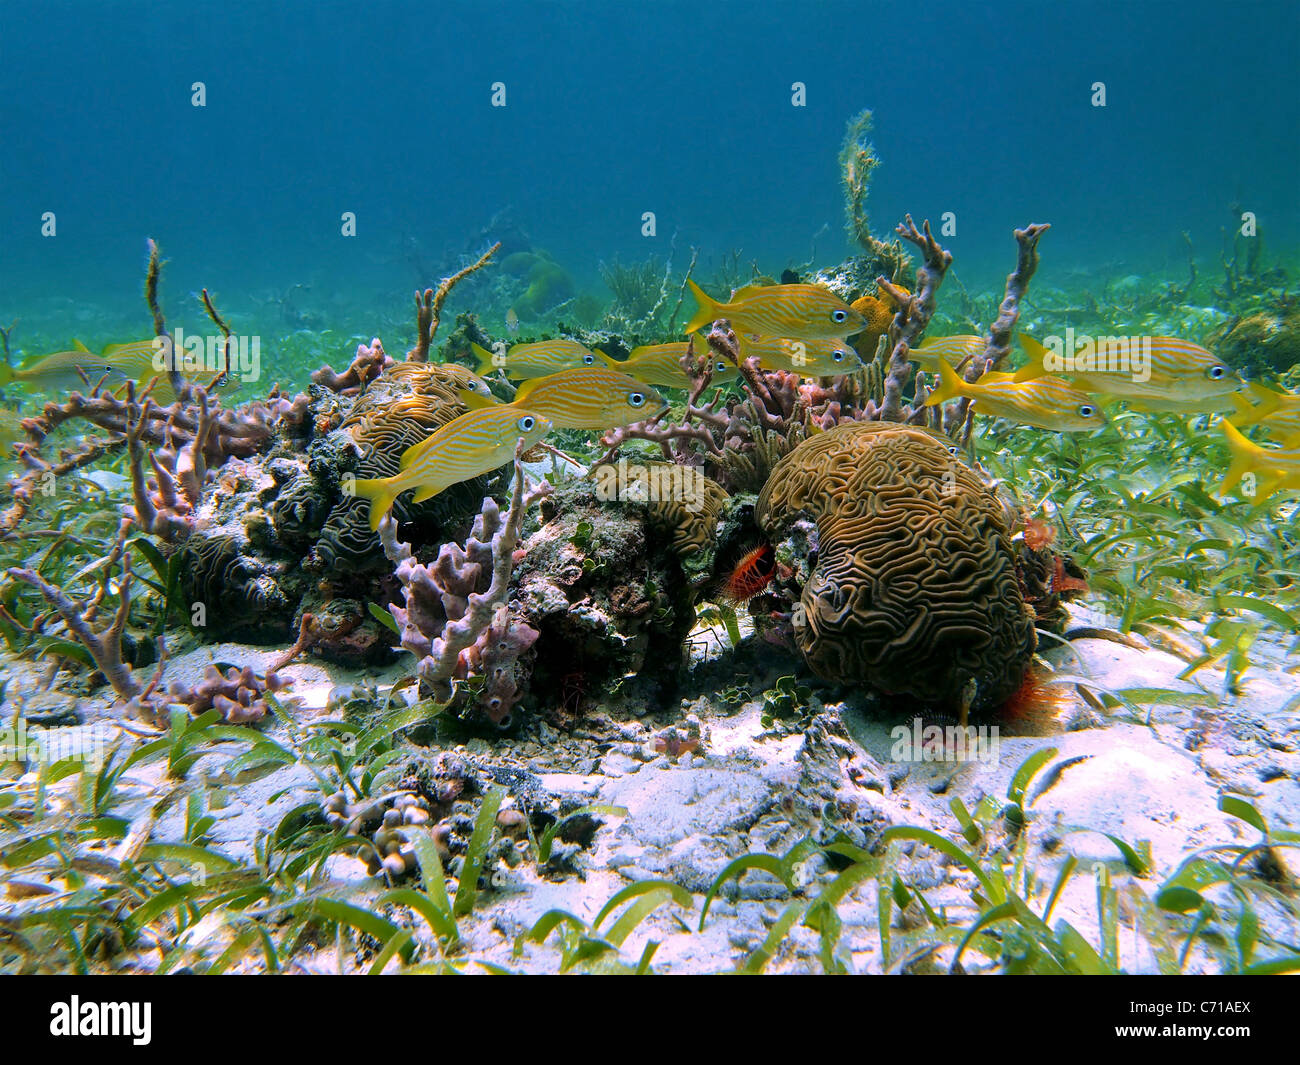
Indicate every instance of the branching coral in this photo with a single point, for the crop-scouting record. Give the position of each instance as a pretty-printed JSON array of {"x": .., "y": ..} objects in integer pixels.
[
  {"x": 238, "y": 695},
  {"x": 164, "y": 506},
  {"x": 702, "y": 423},
  {"x": 369, "y": 363},
  {"x": 105, "y": 645},
  {"x": 428, "y": 307},
  {"x": 457, "y": 619}
]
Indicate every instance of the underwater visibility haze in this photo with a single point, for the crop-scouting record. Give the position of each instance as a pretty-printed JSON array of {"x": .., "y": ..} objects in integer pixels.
[{"x": 828, "y": 506}]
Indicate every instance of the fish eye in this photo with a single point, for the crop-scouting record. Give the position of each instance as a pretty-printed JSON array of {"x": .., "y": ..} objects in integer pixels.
[
  {"x": 588, "y": 360},
  {"x": 527, "y": 422},
  {"x": 839, "y": 316},
  {"x": 1087, "y": 410},
  {"x": 838, "y": 355},
  {"x": 1217, "y": 373},
  {"x": 637, "y": 399},
  {"x": 720, "y": 366}
]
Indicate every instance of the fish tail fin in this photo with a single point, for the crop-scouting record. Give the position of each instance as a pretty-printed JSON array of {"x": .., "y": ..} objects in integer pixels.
[
  {"x": 1035, "y": 367},
  {"x": 1247, "y": 413},
  {"x": 485, "y": 359},
  {"x": 608, "y": 360},
  {"x": 950, "y": 386},
  {"x": 1245, "y": 456},
  {"x": 381, "y": 494},
  {"x": 707, "y": 311}
]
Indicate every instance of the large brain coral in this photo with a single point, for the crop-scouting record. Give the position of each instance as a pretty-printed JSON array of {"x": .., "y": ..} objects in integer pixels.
[{"x": 913, "y": 589}]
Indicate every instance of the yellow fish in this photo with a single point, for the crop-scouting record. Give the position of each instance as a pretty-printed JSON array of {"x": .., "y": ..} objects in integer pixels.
[
  {"x": 952, "y": 350},
  {"x": 801, "y": 312},
  {"x": 1274, "y": 469},
  {"x": 661, "y": 364},
  {"x": 467, "y": 379},
  {"x": 590, "y": 397},
  {"x": 1277, "y": 413},
  {"x": 1047, "y": 402},
  {"x": 512, "y": 322},
  {"x": 476, "y": 442},
  {"x": 537, "y": 359},
  {"x": 59, "y": 371},
  {"x": 1157, "y": 370},
  {"x": 822, "y": 357}
]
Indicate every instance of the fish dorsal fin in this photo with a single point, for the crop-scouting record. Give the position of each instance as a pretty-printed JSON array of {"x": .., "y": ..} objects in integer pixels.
[
  {"x": 1034, "y": 367},
  {"x": 526, "y": 389},
  {"x": 746, "y": 290},
  {"x": 486, "y": 363},
  {"x": 77, "y": 345},
  {"x": 474, "y": 401}
]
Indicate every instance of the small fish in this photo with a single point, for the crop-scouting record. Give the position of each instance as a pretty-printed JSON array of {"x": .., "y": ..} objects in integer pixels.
[
  {"x": 661, "y": 364},
  {"x": 465, "y": 378},
  {"x": 1276, "y": 413},
  {"x": 801, "y": 312},
  {"x": 137, "y": 361},
  {"x": 1047, "y": 402},
  {"x": 512, "y": 322},
  {"x": 1273, "y": 469},
  {"x": 1176, "y": 371},
  {"x": 822, "y": 357},
  {"x": 952, "y": 350},
  {"x": 476, "y": 442},
  {"x": 590, "y": 397},
  {"x": 537, "y": 359}
]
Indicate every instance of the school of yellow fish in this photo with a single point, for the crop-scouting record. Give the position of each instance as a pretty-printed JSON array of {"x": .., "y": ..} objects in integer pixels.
[{"x": 797, "y": 328}]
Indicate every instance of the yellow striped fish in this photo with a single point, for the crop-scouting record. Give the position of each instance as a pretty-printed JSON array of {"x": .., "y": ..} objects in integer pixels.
[
  {"x": 1276, "y": 413},
  {"x": 590, "y": 397},
  {"x": 537, "y": 359},
  {"x": 801, "y": 312},
  {"x": 59, "y": 371},
  {"x": 821, "y": 357},
  {"x": 1166, "y": 373},
  {"x": 661, "y": 364},
  {"x": 476, "y": 442},
  {"x": 1273, "y": 469},
  {"x": 464, "y": 377},
  {"x": 1047, "y": 402},
  {"x": 951, "y": 350}
]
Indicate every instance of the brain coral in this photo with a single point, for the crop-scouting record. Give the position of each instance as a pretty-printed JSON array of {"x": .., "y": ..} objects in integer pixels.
[
  {"x": 913, "y": 590},
  {"x": 401, "y": 407}
]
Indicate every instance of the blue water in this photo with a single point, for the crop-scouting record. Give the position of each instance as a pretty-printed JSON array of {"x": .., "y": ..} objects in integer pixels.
[{"x": 614, "y": 109}]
